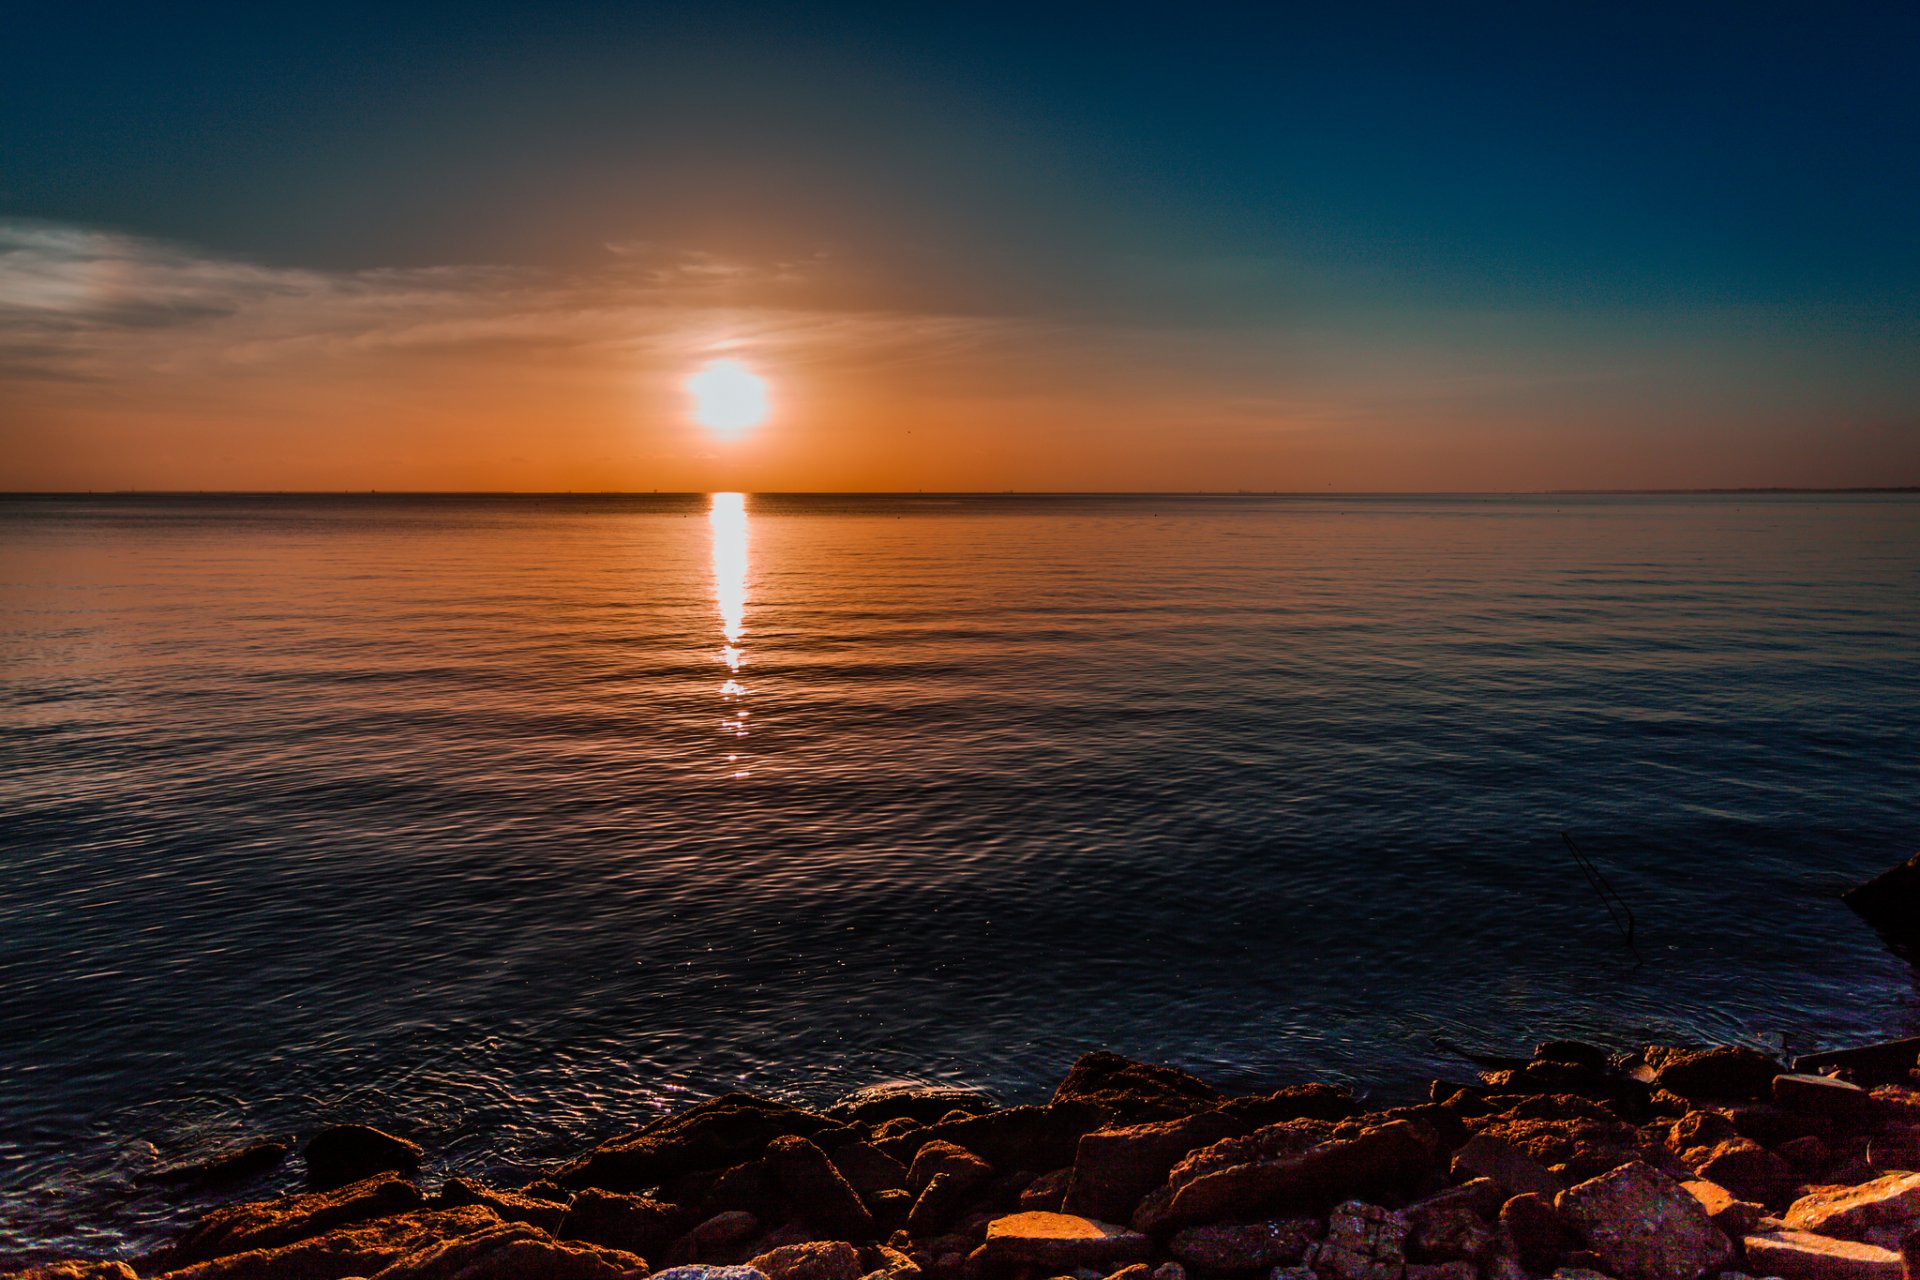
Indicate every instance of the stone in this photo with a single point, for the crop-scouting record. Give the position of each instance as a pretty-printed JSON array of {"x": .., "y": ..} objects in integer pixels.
[
  {"x": 879, "y": 1103},
  {"x": 1891, "y": 1152},
  {"x": 1824, "y": 1096},
  {"x": 360, "y": 1249},
  {"x": 1575, "y": 1051},
  {"x": 1295, "y": 1102},
  {"x": 1014, "y": 1137},
  {"x": 735, "y": 1226},
  {"x": 1701, "y": 1129},
  {"x": 868, "y": 1169},
  {"x": 514, "y": 1251},
  {"x": 1850, "y": 1212},
  {"x": 1800, "y": 1255},
  {"x": 703, "y": 1272},
  {"x": 824, "y": 1198},
  {"x": 1283, "y": 1138},
  {"x": 1061, "y": 1240},
  {"x": 1887, "y": 1062},
  {"x": 1644, "y": 1226},
  {"x": 1453, "y": 1225},
  {"x": 344, "y": 1153},
  {"x": 814, "y": 1260},
  {"x": 939, "y": 1204},
  {"x": 1048, "y": 1191},
  {"x": 1728, "y": 1071},
  {"x": 1509, "y": 1168},
  {"x": 939, "y": 1157},
  {"x": 632, "y": 1224},
  {"x": 1729, "y": 1212},
  {"x": 75, "y": 1269},
  {"x": 234, "y": 1165},
  {"x": 1135, "y": 1091},
  {"x": 1539, "y": 1234},
  {"x": 1750, "y": 1171},
  {"x": 268, "y": 1224},
  {"x": 717, "y": 1134},
  {"x": 1169, "y": 1271},
  {"x": 1458, "y": 1270},
  {"x": 511, "y": 1206},
  {"x": 1113, "y": 1168},
  {"x": 1363, "y": 1242},
  {"x": 1810, "y": 1154},
  {"x": 1387, "y": 1158},
  {"x": 1890, "y": 903},
  {"x": 1244, "y": 1246}
]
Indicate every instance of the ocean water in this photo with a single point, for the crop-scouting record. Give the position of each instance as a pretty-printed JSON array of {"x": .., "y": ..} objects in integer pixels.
[{"x": 511, "y": 822}]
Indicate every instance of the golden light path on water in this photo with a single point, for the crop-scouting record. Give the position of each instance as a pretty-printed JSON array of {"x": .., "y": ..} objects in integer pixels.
[{"x": 728, "y": 516}]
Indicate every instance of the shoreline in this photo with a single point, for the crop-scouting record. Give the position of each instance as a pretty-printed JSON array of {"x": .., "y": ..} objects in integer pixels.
[{"x": 1661, "y": 1164}]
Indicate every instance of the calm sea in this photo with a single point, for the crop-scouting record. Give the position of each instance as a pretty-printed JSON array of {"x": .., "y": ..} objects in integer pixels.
[{"x": 510, "y": 822}]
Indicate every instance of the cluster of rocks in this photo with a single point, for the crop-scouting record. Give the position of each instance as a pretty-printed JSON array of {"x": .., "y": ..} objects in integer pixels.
[{"x": 1668, "y": 1164}]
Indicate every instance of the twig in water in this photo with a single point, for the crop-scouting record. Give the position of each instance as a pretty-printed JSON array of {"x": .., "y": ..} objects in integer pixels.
[{"x": 1617, "y": 909}]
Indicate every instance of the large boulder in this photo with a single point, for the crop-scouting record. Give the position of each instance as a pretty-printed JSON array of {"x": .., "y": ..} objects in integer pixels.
[
  {"x": 1391, "y": 1157},
  {"x": 716, "y": 1134},
  {"x": 234, "y": 1164},
  {"x": 877, "y": 1104},
  {"x": 1062, "y": 1242},
  {"x": 1826, "y": 1097},
  {"x": 631, "y": 1224},
  {"x": 1505, "y": 1165},
  {"x": 1852, "y": 1212},
  {"x": 362, "y": 1249},
  {"x": 345, "y": 1153},
  {"x": 1025, "y": 1138},
  {"x": 1800, "y": 1255},
  {"x": 939, "y": 1157},
  {"x": 1364, "y": 1242},
  {"x": 267, "y": 1224},
  {"x": 824, "y": 1199},
  {"x": 512, "y": 1206},
  {"x": 1644, "y": 1225},
  {"x": 1133, "y": 1090},
  {"x": 1890, "y": 903},
  {"x": 1294, "y": 1102},
  {"x": 1750, "y": 1171},
  {"x": 513, "y": 1251},
  {"x": 1113, "y": 1168},
  {"x": 1726, "y": 1071},
  {"x": 810, "y": 1260},
  {"x": 1244, "y": 1246}
]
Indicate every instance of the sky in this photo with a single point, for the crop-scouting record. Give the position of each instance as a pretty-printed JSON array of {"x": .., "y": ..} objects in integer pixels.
[{"x": 967, "y": 247}]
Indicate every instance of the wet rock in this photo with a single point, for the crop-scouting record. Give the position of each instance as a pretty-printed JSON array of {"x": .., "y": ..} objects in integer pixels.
[
  {"x": 509, "y": 1205},
  {"x": 1363, "y": 1242},
  {"x": 1851, "y": 1212},
  {"x": 717, "y": 1134},
  {"x": 268, "y": 1224},
  {"x": 815, "y": 1260},
  {"x": 1890, "y": 904},
  {"x": 632, "y": 1224},
  {"x": 1574, "y": 1051},
  {"x": 1750, "y": 1171},
  {"x": 1015, "y": 1137},
  {"x": 1887, "y": 1062},
  {"x": 1392, "y": 1156},
  {"x": 1539, "y": 1234},
  {"x": 877, "y": 1104},
  {"x": 1729, "y": 1071},
  {"x": 1644, "y": 1226},
  {"x": 1048, "y": 1191},
  {"x": 1799, "y": 1255},
  {"x": 939, "y": 1157},
  {"x": 362, "y": 1249},
  {"x": 75, "y": 1269},
  {"x": 1824, "y": 1096},
  {"x": 345, "y": 1153},
  {"x": 1731, "y": 1214},
  {"x": 1135, "y": 1091},
  {"x": 1244, "y": 1246},
  {"x": 1114, "y": 1168},
  {"x": 1061, "y": 1240},
  {"x": 1295, "y": 1102},
  {"x": 236, "y": 1165},
  {"x": 868, "y": 1169},
  {"x": 514, "y": 1251},
  {"x": 1506, "y": 1166},
  {"x": 817, "y": 1190}
]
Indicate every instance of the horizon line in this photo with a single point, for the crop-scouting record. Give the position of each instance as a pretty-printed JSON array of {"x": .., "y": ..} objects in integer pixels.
[{"x": 956, "y": 493}]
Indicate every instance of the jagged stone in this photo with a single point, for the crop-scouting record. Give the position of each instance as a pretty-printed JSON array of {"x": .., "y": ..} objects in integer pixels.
[
  {"x": 266, "y": 1224},
  {"x": 1244, "y": 1246},
  {"x": 1644, "y": 1226},
  {"x": 511, "y": 1206},
  {"x": 1048, "y": 1191},
  {"x": 1728, "y": 1071},
  {"x": 1729, "y": 1212},
  {"x": 1394, "y": 1155},
  {"x": 346, "y": 1153},
  {"x": 1509, "y": 1168},
  {"x": 939, "y": 1157},
  {"x": 360, "y": 1249},
  {"x": 1851, "y": 1212},
  {"x": 1750, "y": 1171},
  {"x": 234, "y": 1165},
  {"x": 817, "y": 1190},
  {"x": 1540, "y": 1236},
  {"x": 1363, "y": 1242},
  {"x": 514, "y": 1251},
  {"x": 632, "y": 1224},
  {"x": 1061, "y": 1240},
  {"x": 1801, "y": 1255},
  {"x": 814, "y": 1260},
  {"x": 1295, "y": 1102},
  {"x": 1133, "y": 1090},
  {"x": 879, "y": 1103},
  {"x": 716, "y": 1134},
  {"x": 1113, "y": 1168},
  {"x": 1824, "y": 1096},
  {"x": 75, "y": 1269},
  {"x": 1453, "y": 1224},
  {"x": 868, "y": 1169}
]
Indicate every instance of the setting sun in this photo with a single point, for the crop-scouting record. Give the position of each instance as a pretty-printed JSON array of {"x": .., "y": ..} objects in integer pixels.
[{"x": 728, "y": 396}]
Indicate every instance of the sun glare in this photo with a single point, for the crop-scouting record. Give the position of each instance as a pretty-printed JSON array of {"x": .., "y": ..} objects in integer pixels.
[{"x": 728, "y": 396}]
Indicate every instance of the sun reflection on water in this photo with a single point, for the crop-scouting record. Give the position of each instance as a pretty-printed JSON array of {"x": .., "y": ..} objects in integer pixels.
[{"x": 728, "y": 516}]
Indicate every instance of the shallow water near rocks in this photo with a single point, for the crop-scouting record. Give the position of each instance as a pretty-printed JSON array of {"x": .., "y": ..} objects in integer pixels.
[{"x": 512, "y": 822}]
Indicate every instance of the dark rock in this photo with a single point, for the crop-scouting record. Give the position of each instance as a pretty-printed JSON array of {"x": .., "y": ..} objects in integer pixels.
[
  {"x": 235, "y": 1165},
  {"x": 1701, "y": 1129},
  {"x": 508, "y": 1205},
  {"x": 890, "y": 1209},
  {"x": 75, "y": 1269},
  {"x": 1287, "y": 1138},
  {"x": 268, "y": 1224},
  {"x": 1453, "y": 1224},
  {"x": 1135, "y": 1090},
  {"x": 1391, "y": 1157},
  {"x": 1729, "y": 1071},
  {"x": 939, "y": 1157},
  {"x": 1890, "y": 904},
  {"x": 514, "y": 1251},
  {"x": 1574, "y": 1051},
  {"x": 344, "y": 1153},
  {"x": 880, "y": 1103},
  {"x": 1295, "y": 1102},
  {"x": 1363, "y": 1242},
  {"x": 359, "y": 1249},
  {"x": 1750, "y": 1171},
  {"x": 633, "y": 1224},
  {"x": 1799, "y": 1255},
  {"x": 1244, "y": 1246},
  {"x": 1509, "y": 1168},
  {"x": 1540, "y": 1236},
  {"x": 817, "y": 1190},
  {"x": 939, "y": 1203},
  {"x": 1772, "y": 1126},
  {"x": 815, "y": 1260},
  {"x": 749, "y": 1185},
  {"x": 723, "y": 1233},
  {"x": 1886, "y": 1152},
  {"x": 869, "y": 1169},
  {"x": 1061, "y": 1240},
  {"x": 1808, "y": 1154},
  {"x": 721, "y": 1132},
  {"x": 1012, "y": 1137},
  {"x": 1887, "y": 1062},
  {"x": 1824, "y": 1096},
  {"x": 1048, "y": 1191},
  {"x": 1114, "y": 1168},
  {"x": 1644, "y": 1226}
]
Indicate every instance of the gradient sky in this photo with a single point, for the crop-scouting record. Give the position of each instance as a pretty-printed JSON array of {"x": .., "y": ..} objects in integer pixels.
[{"x": 971, "y": 247}]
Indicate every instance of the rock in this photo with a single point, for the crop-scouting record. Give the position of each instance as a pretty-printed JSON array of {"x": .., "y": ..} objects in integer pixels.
[
  {"x": 717, "y": 1134},
  {"x": 1275, "y": 1141},
  {"x": 1244, "y": 1246},
  {"x": 344, "y": 1153},
  {"x": 361, "y": 1249},
  {"x": 1453, "y": 1225},
  {"x": 939, "y": 1204},
  {"x": 1750, "y": 1171},
  {"x": 868, "y": 1169},
  {"x": 1701, "y": 1129},
  {"x": 815, "y": 1260},
  {"x": 514, "y": 1251},
  {"x": 1887, "y": 1062},
  {"x": 1824, "y": 1096},
  {"x": 1729, "y": 1071},
  {"x": 1731, "y": 1214},
  {"x": 1510, "y": 1169},
  {"x": 1295, "y": 1102},
  {"x": 268, "y": 1224},
  {"x": 75, "y": 1269},
  {"x": 1799, "y": 1255},
  {"x": 1460, "y": 1270},
  {"x": 1012, "y": 1137},
  {"x": 632, "y": 1224},
  {"x": 1810, "y": 1154},
  {"x": 1363, "y": 1242},
  {"x": 1850, "y": 1212},
  {"x": 1169, "y": 1271},
  {"x": 701, "y": 1272},
  {"x": 1048, "y": 1191},
  {"x": 817, "y": 1190},
  {"x": 235, "y": 1165},
  {"x": 1114, "y": 1168},
  {"x": 1770, "y": 1126},
  {"x": 721, "y": 1231},
  {"x": 510, "y": 1206},
  {"x": 1539, "y": 1234},
  {"x": 890, "y": 1209},
  {"x": 1575, "y": 1051},
  {"x": 1061, "y": 1240},
  {"x": 1135, "y": 1091},
  {"x": 1888, "y": 1152},
  {"x": 1890, "y": 903},
  {"x": 939, "y": 1157},
  {"x": 1391, "y": 1156},
  {"x": 1644, "y": 1226},
  {"x": 879, "y": 1103}
]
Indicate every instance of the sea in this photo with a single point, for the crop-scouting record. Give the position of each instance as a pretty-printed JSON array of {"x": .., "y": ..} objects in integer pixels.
[{"x": 512, "y": 822}]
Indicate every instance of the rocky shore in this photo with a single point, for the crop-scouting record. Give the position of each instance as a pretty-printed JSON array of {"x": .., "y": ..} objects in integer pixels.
[{"x": 1577, "y": 1164}]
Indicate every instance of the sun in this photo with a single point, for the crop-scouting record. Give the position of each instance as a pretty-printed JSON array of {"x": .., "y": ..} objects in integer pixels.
[{"x": 728, "y": 396}]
